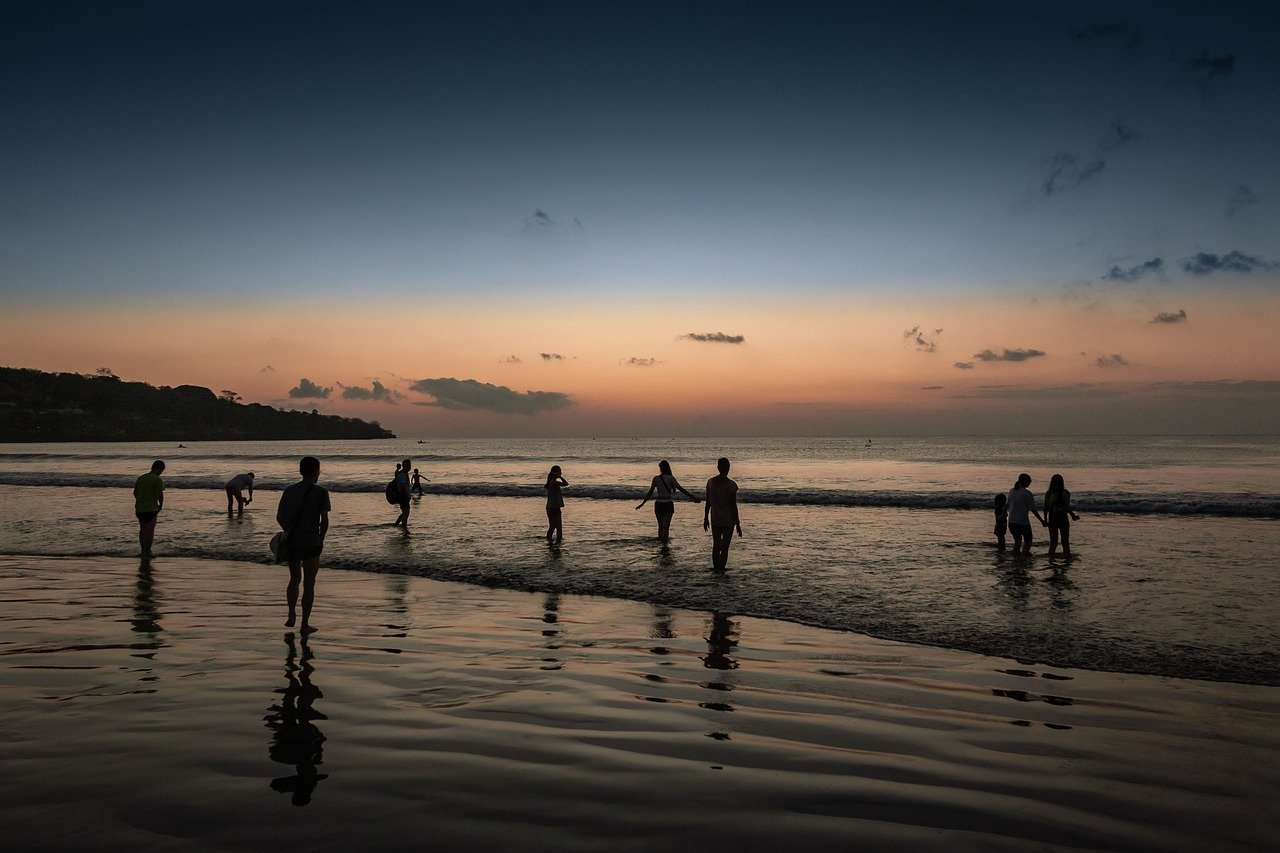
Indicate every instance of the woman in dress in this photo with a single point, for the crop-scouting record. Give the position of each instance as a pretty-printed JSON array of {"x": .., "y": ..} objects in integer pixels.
[{"x": 664, "y": 505}]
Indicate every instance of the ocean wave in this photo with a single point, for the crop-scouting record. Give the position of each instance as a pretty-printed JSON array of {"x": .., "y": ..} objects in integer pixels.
[{"x": 1224, "y": 504}]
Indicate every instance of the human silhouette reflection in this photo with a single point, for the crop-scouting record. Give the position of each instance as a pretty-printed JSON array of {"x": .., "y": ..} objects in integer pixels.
[
  {"x": 721, "y": 642},
  {"x": 663, "y": 628},
  {"x": 295, "y": 738},
  {"x": 146, "y": 614}
]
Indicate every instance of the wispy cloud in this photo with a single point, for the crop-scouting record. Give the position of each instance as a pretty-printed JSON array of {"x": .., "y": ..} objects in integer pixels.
[
  {"x": 1069, "y": 169},
  {"x": 1217, "y": 387},
  {"x": 308, "y": 390},
  {"x": 1205, "y": 65},
  {"x": 1078, "y": 391},
  {"x": 541, "y": 221},
  {"x": 1241, "y": 196},
  {"x": 930, "y": 387},
  {"x": 638, "y": 362},
  {"x": 375, "y": 392},
  {"x": 964, "y": 365},
  {"x": 1008, "y": 354},
  {"x": 711, "y": 338},
  {"x": 267, "y": 369},
  {"x": 552, "y": 356},
  {"x": 1127, "y": 34},
  {"x": 470, "y": 395},
  {"x": 1205, "y": 263},
  {"x": 1153, "y": 267},
  {"x": 1114, "y": 360},
  {"x": 922, "y": 342},
  {"x": 1179, "y": 316},
  {"x": 510, "y": 359}
]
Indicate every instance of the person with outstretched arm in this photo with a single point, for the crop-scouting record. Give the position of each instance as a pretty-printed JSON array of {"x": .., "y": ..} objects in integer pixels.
[{"x": 664, "y": 505}]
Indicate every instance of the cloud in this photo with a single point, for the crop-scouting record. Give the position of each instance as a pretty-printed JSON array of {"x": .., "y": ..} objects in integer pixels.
[
  {"x": 711, "y": 338},
  {"x": 551, "y": 356},
  {"x": 964, "y": 365},
  {"x": 921, "y": 342},
  {"x": 1128, "y": 34},
  {"x": 1204, "y": 263},
  {"x": 1115, "y": 360},
  {"x": 510, "y": 359},
  {"x": 1153, "y": 267},
  {"x": 1219, "y": 387},
  {"x": 930, "y": 387},
  {"x": 541, "y": 221},
  {"x": 1179, "y": 316},
  {"x": 638, "y": 362},
  {"x": 1078, "y": 391},
  {"x": 377, "y": 392},
  {"x": 267, "y": 369},
  {"x": 307, "y": 390},
  {"x": 1068, "y": 170},
  {"x": 465, "y": 395},
  {"x": 1008, "y": 354},
  {"x": 1204, "y": 65},
  {"x": 1243, "y": 196}
]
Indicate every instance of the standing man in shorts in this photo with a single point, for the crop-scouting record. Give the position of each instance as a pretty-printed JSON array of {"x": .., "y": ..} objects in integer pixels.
[
  {"x": 236, "y": 487},
  {"x": 720, "y": 515},
  {"x": 303, "y": 515},
  {"x": 148, "y": 499}
]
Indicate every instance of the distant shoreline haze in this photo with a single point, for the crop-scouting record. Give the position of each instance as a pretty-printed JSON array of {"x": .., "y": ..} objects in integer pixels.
[{"x": 36, "y": 406}]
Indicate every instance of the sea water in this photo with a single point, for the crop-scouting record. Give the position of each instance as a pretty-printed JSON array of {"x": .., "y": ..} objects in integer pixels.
[{"x": 1176, "y": 566}]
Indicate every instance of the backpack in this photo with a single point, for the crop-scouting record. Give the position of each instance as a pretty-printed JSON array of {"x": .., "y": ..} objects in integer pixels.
[{"x": 393, "y": 492}]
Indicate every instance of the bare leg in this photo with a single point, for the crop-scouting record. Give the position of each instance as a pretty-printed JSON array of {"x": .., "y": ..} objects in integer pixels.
[
  {"x": 229, "y": 496},
  {"x": 310, "y": 568},
  {"x": 146, "y": 534},
  {"x": 291, "y": 593},
  {"x": 720, "y": 539},
  {"x": 664, "y": 527},
  {"x": 1066, "y": 539},
  {"x": 1053, "y": 539}
]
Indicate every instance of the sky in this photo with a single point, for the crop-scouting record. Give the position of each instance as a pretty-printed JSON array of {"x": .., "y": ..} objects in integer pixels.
[{"x": 653, "y": 218}]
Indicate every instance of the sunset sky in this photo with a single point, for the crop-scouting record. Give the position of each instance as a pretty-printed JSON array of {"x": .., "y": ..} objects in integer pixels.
[{"x": 655, "y": 218}]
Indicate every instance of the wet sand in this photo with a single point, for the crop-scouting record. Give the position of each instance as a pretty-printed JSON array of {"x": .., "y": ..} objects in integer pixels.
[{"x": 168, "y": 707}]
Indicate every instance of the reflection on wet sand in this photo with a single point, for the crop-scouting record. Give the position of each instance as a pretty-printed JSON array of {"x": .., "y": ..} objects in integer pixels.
[{"x": 295, "y": 737}]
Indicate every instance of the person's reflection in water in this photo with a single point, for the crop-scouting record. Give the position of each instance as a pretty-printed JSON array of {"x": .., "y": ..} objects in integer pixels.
[
  {"x": 146, "y": 615},
  {"x": 662, "y": 624},
  {"x": 295, "y": 738},
  {"x": 721, "y": 642}
]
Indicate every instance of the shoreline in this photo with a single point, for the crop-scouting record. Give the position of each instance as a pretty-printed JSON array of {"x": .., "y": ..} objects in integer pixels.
[{"x": 444, "y": 713}]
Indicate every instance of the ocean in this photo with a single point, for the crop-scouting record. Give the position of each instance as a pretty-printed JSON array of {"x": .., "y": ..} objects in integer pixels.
[{"x": 1175, "y": 568}]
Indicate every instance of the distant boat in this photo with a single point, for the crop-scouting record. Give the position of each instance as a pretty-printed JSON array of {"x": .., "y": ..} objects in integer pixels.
[{"x": 868, "y": 442}]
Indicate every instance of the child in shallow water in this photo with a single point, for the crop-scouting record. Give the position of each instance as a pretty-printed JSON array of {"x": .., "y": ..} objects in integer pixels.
[{"x": 1002, "y": 520}]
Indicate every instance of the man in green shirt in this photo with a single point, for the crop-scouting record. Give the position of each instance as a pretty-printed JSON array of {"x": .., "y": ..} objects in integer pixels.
[{"x": 148, "y": 499}]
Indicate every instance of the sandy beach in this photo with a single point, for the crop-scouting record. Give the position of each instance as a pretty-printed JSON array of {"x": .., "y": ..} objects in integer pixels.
[{"x": 168, "y": 708}]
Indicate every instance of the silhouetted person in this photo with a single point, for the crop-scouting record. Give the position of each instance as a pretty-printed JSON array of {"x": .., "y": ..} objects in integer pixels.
[
  {"x": 148, "y": 500},
  {"x": 1002, "y": 520},
  {"x": 295, "y": 738},
  {"x": 555, "y": 504},
  {"x": 664, "y": 505},
  {"x": 236, "y": 487},
  {"x": 1022, "y": 505},
  {"x": 402, "y": 492},
  {"x": 720, "y": 515},
  {"x": 303, "y": 515},
  {"x": 417, "y": 482},
  {"x": 1057, "y": 509}
]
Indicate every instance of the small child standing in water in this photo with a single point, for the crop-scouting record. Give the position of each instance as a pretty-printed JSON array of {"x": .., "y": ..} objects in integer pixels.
[{"x": 1002, "y": 520}]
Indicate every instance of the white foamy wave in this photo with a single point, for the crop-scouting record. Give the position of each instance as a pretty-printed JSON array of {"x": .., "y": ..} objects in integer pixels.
[{"x": 1225, "y": 504}]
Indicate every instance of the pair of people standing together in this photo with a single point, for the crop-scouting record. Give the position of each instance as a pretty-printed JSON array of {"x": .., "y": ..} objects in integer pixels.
[{"x": 720, "y": 515}]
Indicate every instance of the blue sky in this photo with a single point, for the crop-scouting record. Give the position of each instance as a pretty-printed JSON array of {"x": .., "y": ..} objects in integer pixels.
[{"x": 160, "y": 148}]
